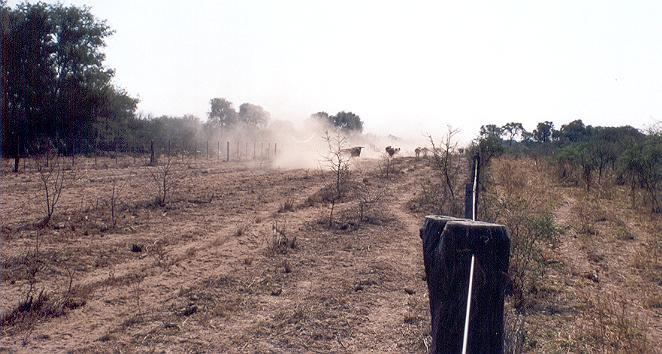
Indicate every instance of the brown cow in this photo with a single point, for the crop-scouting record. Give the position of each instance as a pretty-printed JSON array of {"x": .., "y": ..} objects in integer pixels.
[
  {"x": 353, "y": 151},
  {"x": 391, "y": 150},
  {"x": 421, "y": 151}
]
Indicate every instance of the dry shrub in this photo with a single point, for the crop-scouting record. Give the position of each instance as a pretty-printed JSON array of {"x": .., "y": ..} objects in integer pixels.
[
  {"x": 588, "y": 212},
  {"x": 287, "y": 206},
  {"x": 370, "y": 200},
  {"x": 280, "y": 243},
  {"x": 515, "y": 331},
  {"x": 610, "y": 328},
  {"x": 518, "y": 199},
  {"x": 164, "y": 178},
  {"x": 53, "y": 174},
  {"x": 39, "y": 304}
]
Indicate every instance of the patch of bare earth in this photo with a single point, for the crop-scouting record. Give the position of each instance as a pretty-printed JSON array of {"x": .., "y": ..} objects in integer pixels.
[{"x": 240, "y": 259}]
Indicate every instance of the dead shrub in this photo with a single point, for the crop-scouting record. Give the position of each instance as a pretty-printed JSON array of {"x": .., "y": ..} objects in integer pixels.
[
  {"x": 287, "y": 206},
  {"x": 164, "y": 180},
  {"x": 53, "y": 176},
  {"x": 280, "y": 243},
  {"x": 611, "y": 328}
]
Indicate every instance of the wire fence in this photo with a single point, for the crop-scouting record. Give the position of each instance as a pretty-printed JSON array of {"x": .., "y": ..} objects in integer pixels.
[{"x": 221, "y": 150}]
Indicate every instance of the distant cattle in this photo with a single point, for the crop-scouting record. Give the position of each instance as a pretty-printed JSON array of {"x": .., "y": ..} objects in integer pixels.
[
  {"x": 421, "y": 151},
  {"x": 353, "y": 151},
  {"x": 391, "y": 150}
]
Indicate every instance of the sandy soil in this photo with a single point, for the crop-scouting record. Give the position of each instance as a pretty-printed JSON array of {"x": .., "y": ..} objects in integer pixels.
[
  {"x": 242, "y": 259},
  {"x": 208, "y": 277}
]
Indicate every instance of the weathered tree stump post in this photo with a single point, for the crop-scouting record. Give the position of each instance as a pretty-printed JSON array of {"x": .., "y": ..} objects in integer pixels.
[
  {"x": 17, "y": 154},
  {"x": 73, "y": 154},
  {"x": 152, "y": 156},
  {"x": 218, "y": 155},
  {"x": 448, "y": 245},
  {"x": 254, "y": 145},
  {"x": 471, "y": 196},
  {"x": 227, "y": 151}
]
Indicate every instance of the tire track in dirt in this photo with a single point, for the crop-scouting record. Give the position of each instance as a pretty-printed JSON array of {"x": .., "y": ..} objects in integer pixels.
[{"x": 211, "y": 257}]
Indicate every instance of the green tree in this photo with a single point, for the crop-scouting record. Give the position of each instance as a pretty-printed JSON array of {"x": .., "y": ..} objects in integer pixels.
[
  {"x": 322, "y": 117},
  {"x": 543, "y": 132},
  {"x": 253, "y": 115},
  {"x": 642, "y": 163},
  {"x": 347, "y": 121},
  {"x": 56, "y": 82},
  {"x": 511, "y": 130},
  {"x": 221, "y": 116},
  {"x": 490, "y": 130},
  {"x": 573, "y": 132}
]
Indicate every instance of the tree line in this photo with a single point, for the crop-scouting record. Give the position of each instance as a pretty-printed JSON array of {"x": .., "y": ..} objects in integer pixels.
[
  {"x": 586, "y": 155},
  {"x": 58, "y": 94}
]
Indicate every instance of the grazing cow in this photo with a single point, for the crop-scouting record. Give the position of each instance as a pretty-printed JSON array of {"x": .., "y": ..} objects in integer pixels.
[
  {"x": 421, "y": 151},
  {"x": 425, "y": 151},
  {"x": 391, "y": 150},
  {"x": 353, "y": 151}
]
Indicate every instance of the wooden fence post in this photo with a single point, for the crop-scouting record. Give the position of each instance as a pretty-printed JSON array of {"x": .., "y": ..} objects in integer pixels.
[
  {"x": 152, "y": 156},
  {"x": 207, "y": 149},
  {"x": 17, "y": 153},
  {"x": 471, "y": 205},
  {"x": 275, "y": 149},
  {"x": 227, "y": 151},
  {"x": 218, "y": 155},
  {"x": 448, "y": 246}
]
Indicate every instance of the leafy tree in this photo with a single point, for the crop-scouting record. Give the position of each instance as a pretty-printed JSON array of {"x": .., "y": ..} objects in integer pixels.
[
  {"x": 487, "y": 147},
  {"x": 642, "y": 163},
  {"x": 347, "y": 121},
  {"x": 581, "y": 156},
  {"x": 253, "y": 115},
  {"x": 511, "y": 130},
  {"x": 321, "y": 116},
  {"x": 55, "y": 82},
  {"x": 573, "y": 132},
  {"x": 221, "y": 116},
  {"x": 543, "y": 132},
  {"x": 490, "y": 130},
  {"x": 527, "y": 136}
]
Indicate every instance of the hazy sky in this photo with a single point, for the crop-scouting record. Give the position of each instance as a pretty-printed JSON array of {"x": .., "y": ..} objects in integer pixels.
[{"x": 405, "y": 67}]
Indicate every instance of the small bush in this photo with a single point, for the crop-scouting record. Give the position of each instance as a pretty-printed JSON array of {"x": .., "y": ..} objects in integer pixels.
[
  {"x": 287, "y": 206},
  {"x": 280, "y": 243}
]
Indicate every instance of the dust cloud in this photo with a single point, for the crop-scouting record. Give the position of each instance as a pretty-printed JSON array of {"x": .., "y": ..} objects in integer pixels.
[{"x": 302, "y": 144}]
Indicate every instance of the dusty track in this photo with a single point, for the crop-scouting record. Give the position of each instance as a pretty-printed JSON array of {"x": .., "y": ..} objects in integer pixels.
[{"x": 206, "y": 280}]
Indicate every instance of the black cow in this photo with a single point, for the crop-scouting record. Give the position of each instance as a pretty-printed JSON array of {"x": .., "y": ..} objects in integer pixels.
[
  {"x": 391, "y": 150},
  {"x": 353, "y": 151}
]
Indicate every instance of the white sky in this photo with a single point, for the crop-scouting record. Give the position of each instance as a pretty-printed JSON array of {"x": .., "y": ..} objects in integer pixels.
[{"x": 405, "y": 67}]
